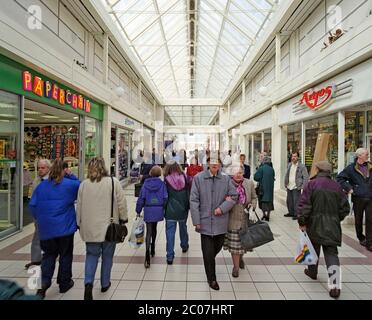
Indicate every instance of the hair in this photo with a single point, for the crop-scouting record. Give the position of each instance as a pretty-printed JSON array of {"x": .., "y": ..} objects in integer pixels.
[
  {"x": 97, "y": 169},
  {"x": 360, "y": 151},
  {"x": 266, "y": 159},
  {"x": 242, "y": 155},
  {"x": 45, "y": 161},
  {"x": 65, "y": 164},
  {"x": 296, "y": 152},
  {"x": 56, "y": 171},
  {"x": 237, "y": 167},
  {"x": 209, "y": 160},
  {"x": 172, "y": 167},
  {"x": 155, "y": 171}
]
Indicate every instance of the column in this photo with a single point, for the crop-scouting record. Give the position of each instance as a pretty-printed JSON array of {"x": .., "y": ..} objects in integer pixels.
[
  {"x": 105, "y": 57},
  {"x": 294, "y": 52},
  {"x": 279, "y": 149},
  {"x": 341, "y": 141},
  {"x": 106, "y": 135},
  {"x": 243, "y": 95},
  {"x": 278, "y": 58},
  {"x": 253, "y": 167}
]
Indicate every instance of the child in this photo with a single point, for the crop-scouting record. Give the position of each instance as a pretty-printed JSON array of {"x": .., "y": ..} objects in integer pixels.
[{"x": 152, "y": 198}]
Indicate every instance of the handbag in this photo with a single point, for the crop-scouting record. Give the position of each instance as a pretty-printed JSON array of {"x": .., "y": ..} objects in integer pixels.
[
  {"x": 255, "y": 234},
  {"x": 115, "y": 231},
  {"x": 259, "y": 190},
  {"x": 137, "y": 189}
]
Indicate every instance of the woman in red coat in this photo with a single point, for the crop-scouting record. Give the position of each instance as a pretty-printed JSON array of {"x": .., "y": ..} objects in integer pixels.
[{"x": 192, "y": 170}]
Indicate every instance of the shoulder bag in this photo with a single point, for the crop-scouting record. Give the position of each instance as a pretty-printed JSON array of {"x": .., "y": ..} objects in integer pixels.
[{"x": 115, "y": 231}]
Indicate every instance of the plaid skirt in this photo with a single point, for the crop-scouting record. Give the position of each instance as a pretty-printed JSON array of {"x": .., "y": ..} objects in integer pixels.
[{"x": 232, "y": 242}]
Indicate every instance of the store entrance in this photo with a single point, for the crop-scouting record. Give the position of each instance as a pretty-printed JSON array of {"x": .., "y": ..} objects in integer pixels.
[{"x": 49, "y": 133}]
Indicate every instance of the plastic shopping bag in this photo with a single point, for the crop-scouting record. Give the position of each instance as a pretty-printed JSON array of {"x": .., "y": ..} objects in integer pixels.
[
  {"x": 305, "y": 253},
  {"x": 137, "y": 235}
]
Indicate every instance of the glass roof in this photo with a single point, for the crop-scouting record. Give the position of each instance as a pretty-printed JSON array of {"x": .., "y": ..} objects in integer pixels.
[
  {"x": 191, "y": 48},
  {"x": 191, "y": 115}
]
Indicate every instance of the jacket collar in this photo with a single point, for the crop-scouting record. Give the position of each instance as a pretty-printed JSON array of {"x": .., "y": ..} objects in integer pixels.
[
  {"x": 322, "y": 174},
  {"x": 208, "y": 174},
  {"x": 356, "y": 166}
]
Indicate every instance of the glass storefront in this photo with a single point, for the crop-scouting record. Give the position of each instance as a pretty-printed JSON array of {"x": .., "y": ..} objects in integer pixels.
[
  {"x": 267, "y": 142},
  {"x": 257, "y": 148},
  {"x": 321, "y": 135},
  {"x": 92, "y": 137},
  {"x": 10, "y": 163},
  {"x": 293, "y": 139},
  {"x": 354, "y": 134}
]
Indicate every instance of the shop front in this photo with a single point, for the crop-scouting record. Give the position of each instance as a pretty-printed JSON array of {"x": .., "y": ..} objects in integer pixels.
[
  {"x": 330, "y": 122},
  {"x": 55, "y": 122},
  {"x": 123, "y": 142}
]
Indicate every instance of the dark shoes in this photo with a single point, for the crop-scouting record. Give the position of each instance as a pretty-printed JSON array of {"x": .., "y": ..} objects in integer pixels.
[
  {"x": 68, "y": 287},
  {"x": 241, "y": 263},
  {"x": 265, "y": 218},
  {"x": 28, "y": 265},
  {"x": 42, "y": 292},
  {"x": 307, "y": 272},
  {"x": 363, "y": 242},
  {"x": 235, "y": 273},
  {"x": 169, "y": 261},
  {"x": 184, "y": 250},
  {"x": 214, "y": 285},
  {"x": 147, "y": 260},
  {"x": 104, "y": 289},
  {"x": 294, "y": 218},
  {"x": 88, "y": 294},
  {"x": 288, "y": 215},
  {"x": 334, "y": 293}
]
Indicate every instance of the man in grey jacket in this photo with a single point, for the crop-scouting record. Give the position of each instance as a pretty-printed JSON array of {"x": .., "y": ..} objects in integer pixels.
[
  {"x": 295, "y": 179},
  {"x": 212, "y": 197}
]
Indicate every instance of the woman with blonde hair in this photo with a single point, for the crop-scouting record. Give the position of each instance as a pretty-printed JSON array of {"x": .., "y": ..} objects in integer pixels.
[
  {"x": 93, "y": 219},
  {"x": 238, "y": 217}
]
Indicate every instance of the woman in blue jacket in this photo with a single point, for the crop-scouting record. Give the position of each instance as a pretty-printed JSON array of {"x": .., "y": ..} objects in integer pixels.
[
  {"x": 52, "y": 205},
  {"x": 152, "y": 198}
]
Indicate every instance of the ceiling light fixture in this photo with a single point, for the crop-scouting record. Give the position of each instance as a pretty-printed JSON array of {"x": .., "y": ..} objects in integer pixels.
[{"x": 49, "y": 117}]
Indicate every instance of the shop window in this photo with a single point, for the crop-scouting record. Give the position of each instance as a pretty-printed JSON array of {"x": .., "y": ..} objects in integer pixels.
[
  {"x": 293, "y": 139},
  {"x": 257, "y": 148},
  {"x": 369, "y": 121},
  {"x": 267, "y": 142},
  {"x": 354, "y": 134},
  {"x": 10, "y": 166},
  {"x": 92, "y": 141},
  {"x": 321, "y": 137}
]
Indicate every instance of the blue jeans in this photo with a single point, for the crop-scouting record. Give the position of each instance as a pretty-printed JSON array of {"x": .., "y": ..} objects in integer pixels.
[
  {"x": 94, "y": 251},
  {"x": 170, "y": 226}
]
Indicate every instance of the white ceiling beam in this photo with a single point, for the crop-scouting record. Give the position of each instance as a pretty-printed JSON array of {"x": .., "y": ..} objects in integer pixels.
[{"x": 193, "y": 102}]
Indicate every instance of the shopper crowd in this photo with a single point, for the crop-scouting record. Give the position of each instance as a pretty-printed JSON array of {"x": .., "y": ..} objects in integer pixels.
[{"x": 217, "y": 191}]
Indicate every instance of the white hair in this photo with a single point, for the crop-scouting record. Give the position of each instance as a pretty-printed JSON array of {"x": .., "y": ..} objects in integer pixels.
[
  {"x": 44, "y": 161},
  {"x": 360, "y": 151},
  {"x": 236, "y": 167}
]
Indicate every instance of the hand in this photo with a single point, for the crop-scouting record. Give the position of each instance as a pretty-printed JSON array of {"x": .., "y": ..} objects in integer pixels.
[
  {"x": 197, "y": 227},
  {"x": 218, "y": 212},
  {"x": 228, "y": 198},
  {"x": 303, "y": 228}
]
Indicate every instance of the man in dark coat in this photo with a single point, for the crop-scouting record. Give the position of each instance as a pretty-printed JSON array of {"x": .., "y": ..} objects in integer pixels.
[
  {"x": 356, "y": 179},
  {"x": 322, "y": 207},
  {"x": 247, "y": 168}
]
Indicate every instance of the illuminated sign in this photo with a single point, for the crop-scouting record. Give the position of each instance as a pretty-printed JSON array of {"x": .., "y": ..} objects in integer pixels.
[
  {"x": 52, "y": 91},
  {"x": 316, "y": 99}
]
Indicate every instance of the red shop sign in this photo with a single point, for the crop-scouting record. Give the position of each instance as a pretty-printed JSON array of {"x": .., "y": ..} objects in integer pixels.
[{"x": 315, "y": 99}]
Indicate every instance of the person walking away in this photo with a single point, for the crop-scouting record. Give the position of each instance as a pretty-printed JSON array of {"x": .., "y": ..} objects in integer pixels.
[
  {"x": 177, "y": 208},
  {"x": 95, "y": 196},
  {"x": 322, "y": 207},
  {"x": 265, "y": 176},
  {"x": 53, "y": 206},
  {"x": 227, "y": 163},
  {"x": 43, "y": 168},
  {"x": 247, "y": 168},
  {"x": 356, "y": 179},
  {"x": 238, "y": 217},
  {"x": 295, "y": 179},
  {"x": 212, "y": 197},
  {"x": 192, "y": 170},
  {"x": 152, "y": 199}
]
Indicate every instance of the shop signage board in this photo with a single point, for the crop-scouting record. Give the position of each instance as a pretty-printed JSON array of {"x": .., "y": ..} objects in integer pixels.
[
  {"x": 15, "y": 78},
  {"x": 316, "y": 99},
  {"x": 52, "y": 91}
]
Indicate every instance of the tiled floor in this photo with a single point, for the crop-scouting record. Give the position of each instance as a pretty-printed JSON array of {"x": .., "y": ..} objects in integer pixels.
[{"x": 270, "y": 273}]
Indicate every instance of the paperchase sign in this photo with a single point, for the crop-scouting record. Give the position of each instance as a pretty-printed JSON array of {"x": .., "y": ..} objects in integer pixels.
[{"x": 315, "y": 99}]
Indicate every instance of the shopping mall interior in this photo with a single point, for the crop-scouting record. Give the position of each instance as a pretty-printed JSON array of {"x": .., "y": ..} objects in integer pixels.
[{"x": 154, "y": 80}]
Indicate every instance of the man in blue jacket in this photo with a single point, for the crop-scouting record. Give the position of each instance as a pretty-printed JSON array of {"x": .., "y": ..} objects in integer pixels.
[{"x": 356, "y": 179}]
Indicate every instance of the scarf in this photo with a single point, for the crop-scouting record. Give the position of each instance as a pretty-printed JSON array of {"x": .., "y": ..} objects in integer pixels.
[{"x": 241, "y": 191}]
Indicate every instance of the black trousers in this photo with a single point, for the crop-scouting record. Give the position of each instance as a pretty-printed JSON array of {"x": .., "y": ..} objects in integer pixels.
[
  {"x": 292, "y": 201},
  {"x": 361, "y": 205},
  {"x": 332, "y": 262},
  {"x": 62, "y": 247},
  {"x": 150, "y": 234},
  {"x": 211, "y": 246}
]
